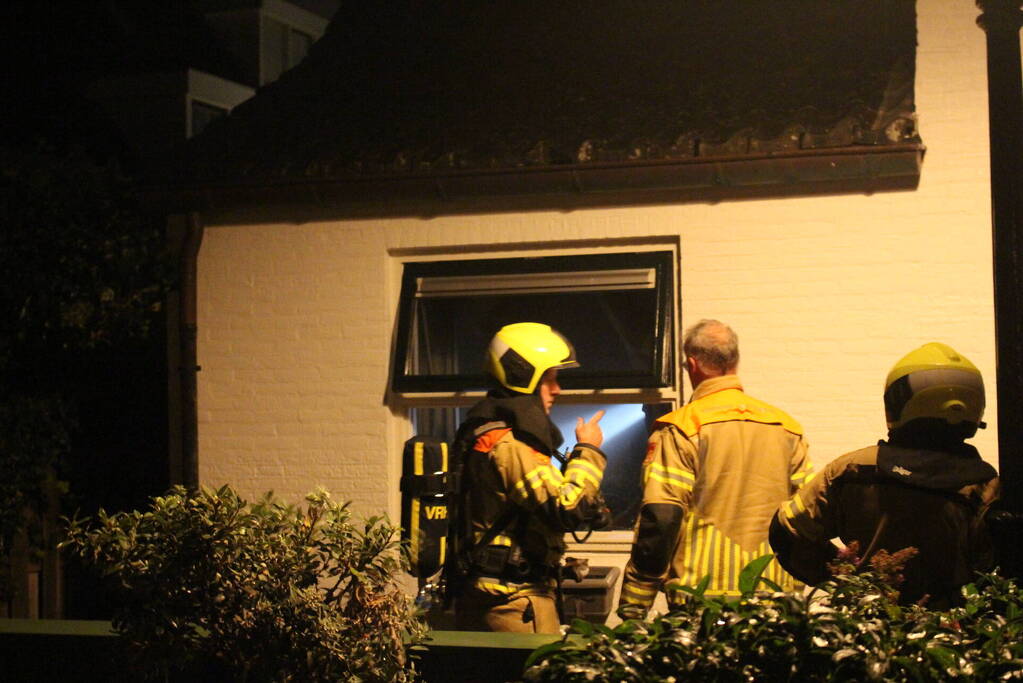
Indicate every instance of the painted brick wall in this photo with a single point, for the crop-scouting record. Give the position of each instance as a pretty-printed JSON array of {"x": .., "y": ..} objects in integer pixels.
[{"x": 825, "y": 293}]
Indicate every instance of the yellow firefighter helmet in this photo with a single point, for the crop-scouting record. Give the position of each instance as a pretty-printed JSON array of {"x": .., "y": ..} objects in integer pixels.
[
  {"x": 934, "y": 381},
  {"x": 520, "y": 353}
]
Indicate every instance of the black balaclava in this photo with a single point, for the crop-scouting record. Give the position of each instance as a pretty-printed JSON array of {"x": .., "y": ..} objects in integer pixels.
[
  {"x": 934, "y": 434},
  {"x": 524, "y": 413}
]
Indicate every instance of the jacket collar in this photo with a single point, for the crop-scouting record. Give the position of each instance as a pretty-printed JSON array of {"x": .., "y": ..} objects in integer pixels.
[
  {"x": 524, "y": 413},
  {"x": 714, "y": 385},
  {"x": 947, "y": 470}
]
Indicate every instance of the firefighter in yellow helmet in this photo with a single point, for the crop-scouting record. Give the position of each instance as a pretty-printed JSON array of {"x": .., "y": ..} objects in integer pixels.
[
  {"x": 517, "y": 506},
  {"x": 923, "y": 488}
]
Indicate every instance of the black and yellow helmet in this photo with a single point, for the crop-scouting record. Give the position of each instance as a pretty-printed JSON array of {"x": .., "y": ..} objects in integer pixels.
[
  {"x": 520, "y": 353},
  {"x": 934, "y": 381}
]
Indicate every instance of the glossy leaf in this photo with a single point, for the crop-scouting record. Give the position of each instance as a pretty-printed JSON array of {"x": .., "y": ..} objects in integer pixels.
[{"x": 749, "y": 577}]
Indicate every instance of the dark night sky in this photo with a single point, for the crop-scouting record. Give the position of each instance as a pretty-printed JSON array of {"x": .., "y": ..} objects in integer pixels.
[{"x": 56, "y": 46}]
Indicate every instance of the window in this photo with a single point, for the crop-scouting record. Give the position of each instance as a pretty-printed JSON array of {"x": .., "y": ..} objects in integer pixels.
[
  {"x": 625, "y": 426},
  {"x": 284, "y": 47},
  {"x": 203, "y": 114},
  {"x": 615, "y": 308},
  {"x": 298, "y": 46}
]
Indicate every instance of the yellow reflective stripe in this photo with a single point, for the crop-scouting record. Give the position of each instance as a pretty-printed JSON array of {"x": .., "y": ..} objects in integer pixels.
[
  {"x": 805, "y": 473},
  {"x": 586, "y": 464},
  {"x": 414, "y": 532},
  {"x": 547, "y": 478},
  {"x": 734, "y": 557},
  {"x": 719, "y": 560},
  {"x": 794, "y": 506},
  {"x": 417, "y": 466},
  {"x": 588, "y": 469},
  {"x": 500, "y": 539},
  {"x": 570, "y": 495},
  {"x": 688, "y": 545},
  {"x": 496, "y": 585},
  {"x": 499, "y": 587},
  {"x": 637, "y": 596},
  {"x": 536, "y": 477},
  {"x": 708, "y": 540},
  {"x": 683, "y": 477},
  {"x": 705, "y": 551},
  {"x": 670, "y": 482},
  {"x": 632, "y": 599},
  {"x": 636, "y": 589},
  {"x": 579, "y": 478},
  {"x": 552, "y": 477},
  {"x": 685, "y": 474}
]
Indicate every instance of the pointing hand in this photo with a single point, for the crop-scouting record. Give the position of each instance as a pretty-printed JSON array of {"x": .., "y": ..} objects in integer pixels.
[{"x": 590, "y": 431}]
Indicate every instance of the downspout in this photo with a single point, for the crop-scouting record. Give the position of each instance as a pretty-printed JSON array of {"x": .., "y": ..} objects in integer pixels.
[
  {"x": 1001, "y": 21},
  {"x": 189, "y": 367}
]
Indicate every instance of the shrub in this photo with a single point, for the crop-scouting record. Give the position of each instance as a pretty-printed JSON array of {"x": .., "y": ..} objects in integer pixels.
[
  {"x": 212, "y": 585},
  {"x": 850, "y": 629}
]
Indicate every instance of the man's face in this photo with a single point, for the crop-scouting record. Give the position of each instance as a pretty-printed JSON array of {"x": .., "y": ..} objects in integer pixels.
[{"x": 549, "y": 389}]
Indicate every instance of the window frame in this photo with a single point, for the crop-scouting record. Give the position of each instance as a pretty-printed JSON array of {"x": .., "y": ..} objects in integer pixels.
[{"x": 661, "y": 373}]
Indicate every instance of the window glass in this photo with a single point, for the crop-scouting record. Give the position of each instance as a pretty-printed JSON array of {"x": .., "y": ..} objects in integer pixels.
[
  {"x": 203, "y": 114},
  {"x": 625, "y": 426},
  {"x": 615, "y": 308},
  {"x": 275, "y": 49},
  {"x": 298, "y": 47}
]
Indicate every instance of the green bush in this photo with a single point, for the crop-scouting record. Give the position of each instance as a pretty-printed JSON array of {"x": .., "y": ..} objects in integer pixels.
[
  {"x": 214, "y": 586},
  {"x": 850, "y": 629}
]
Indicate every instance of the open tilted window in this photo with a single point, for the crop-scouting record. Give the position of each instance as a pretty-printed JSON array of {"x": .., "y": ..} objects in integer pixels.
[{"x": 616, "y": 308}]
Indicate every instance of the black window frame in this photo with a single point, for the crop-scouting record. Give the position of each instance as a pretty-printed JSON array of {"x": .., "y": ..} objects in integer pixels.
[{"x": 660, "y": 373}]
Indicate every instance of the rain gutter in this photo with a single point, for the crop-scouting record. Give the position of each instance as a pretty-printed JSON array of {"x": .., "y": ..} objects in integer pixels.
[{"x": 854, "y": 169}]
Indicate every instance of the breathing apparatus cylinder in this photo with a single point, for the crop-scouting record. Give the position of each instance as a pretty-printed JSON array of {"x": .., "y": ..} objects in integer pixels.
[{"x": 427, "y": 501}]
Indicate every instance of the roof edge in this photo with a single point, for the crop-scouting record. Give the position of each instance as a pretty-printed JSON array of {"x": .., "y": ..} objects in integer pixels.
[{"x": 855, "y": 169}]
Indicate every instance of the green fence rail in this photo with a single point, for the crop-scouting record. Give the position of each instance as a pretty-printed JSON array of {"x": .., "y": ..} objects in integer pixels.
[{"x": 85, "y": 651}]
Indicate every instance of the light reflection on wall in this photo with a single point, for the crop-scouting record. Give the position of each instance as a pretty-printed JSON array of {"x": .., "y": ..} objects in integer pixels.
[{"x": 624, "y": 444}]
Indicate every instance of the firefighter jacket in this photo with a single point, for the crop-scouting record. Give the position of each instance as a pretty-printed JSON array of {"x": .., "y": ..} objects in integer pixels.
[
  {"x": 715, "y": 472},
  {"x": 892, "y": 497},
  {"x": 512, "y": 485}
]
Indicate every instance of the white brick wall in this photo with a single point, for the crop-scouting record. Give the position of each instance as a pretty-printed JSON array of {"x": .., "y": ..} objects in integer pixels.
[{"x": 825, "y": 293}]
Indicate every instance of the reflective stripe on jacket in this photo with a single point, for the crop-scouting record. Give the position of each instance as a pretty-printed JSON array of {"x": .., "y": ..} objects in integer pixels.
[
  {"x": 506, "y": 473},
  {"x": 715, "y": 472}
]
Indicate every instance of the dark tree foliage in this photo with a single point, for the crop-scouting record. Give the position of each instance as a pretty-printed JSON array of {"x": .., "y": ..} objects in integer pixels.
[
  {"x": 83, "y": 260},
  {"x": 86, "y": 270}
]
